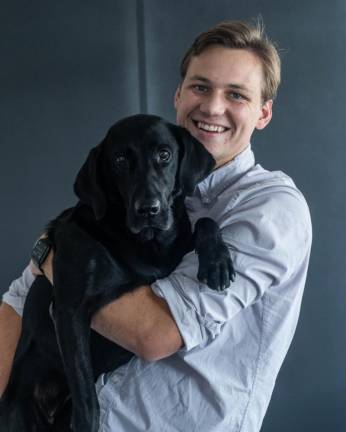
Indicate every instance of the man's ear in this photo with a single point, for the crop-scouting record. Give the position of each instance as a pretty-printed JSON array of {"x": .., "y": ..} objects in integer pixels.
[
  {"x": 195, "y": 162},
  {"x": 266, "y": 115},
  {"x": 88, "y": 185},
  {"x": 177, "y": 96}
]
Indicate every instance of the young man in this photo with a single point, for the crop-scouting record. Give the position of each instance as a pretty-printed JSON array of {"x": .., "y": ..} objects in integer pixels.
[{"x": 208, "y": 361}]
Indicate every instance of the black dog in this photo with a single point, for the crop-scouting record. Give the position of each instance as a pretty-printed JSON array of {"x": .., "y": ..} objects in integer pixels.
[{"x": 129, "y": 228}]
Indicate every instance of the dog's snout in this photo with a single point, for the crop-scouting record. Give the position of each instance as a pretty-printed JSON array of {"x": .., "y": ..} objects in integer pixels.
[{"x": 148, "y": 207}]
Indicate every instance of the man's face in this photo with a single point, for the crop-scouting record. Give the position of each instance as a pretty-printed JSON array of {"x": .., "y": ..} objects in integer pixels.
[{"x": 220, "y": 103}]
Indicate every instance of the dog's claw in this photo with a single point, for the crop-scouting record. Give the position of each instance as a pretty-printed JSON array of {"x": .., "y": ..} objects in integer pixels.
[{"x": 216, "y": 269}]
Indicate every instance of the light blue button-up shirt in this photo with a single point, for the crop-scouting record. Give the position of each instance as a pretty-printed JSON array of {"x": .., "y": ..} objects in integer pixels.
[{"x": 235, "y": 341}]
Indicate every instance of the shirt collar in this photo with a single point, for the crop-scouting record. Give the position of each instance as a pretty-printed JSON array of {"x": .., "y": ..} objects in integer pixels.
[{"x": 223, "y": 177}]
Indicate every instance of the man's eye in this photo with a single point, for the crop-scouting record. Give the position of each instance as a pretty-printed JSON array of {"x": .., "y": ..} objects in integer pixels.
[
  {"x": 164, "y": 155},
  {"x": 120, "y": 162},
  {"x": 200, "y": 88},
  {"x": 236, "y": 96}
]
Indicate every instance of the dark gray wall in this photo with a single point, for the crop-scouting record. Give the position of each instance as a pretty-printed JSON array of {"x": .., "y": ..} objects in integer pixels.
[{"x": 69, "y": 69}]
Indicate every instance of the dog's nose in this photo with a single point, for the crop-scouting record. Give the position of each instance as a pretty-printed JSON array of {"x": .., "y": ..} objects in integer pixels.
[{"x": 148, "y": 207}]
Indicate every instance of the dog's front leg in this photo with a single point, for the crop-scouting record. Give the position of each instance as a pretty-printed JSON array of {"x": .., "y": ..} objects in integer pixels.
[
  {"x": 72, "y": 329},
  {"x": 82, "y": 271},
  {"x": 215, "y": 263}
]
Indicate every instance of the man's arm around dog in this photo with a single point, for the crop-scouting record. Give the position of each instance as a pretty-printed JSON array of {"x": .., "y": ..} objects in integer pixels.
[{"x": 139, "y": 321}]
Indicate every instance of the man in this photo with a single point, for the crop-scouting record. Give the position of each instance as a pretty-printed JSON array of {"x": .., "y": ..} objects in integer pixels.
[{"x": 208, "y": 361}]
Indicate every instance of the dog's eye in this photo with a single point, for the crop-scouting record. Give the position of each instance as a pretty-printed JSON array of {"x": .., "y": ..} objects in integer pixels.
[
  {"x": 120, "y": 162},
  {"x": 164, "y": 155}
]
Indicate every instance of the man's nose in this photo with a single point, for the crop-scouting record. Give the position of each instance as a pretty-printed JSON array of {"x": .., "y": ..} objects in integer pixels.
[{"x": 213, "y": 105}]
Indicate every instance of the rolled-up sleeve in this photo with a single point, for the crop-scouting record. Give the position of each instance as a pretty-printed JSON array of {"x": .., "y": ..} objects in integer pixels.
[
  {"x": 18, "y": 290},
  {"x": 268, "y": 237}
]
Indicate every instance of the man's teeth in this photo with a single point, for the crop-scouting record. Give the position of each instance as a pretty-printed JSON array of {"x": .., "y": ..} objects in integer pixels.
[{"x": 210, "y": 128}]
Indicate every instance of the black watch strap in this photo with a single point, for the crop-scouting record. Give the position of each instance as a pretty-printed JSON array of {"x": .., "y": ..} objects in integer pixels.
[{"x": 40, "y": 252}]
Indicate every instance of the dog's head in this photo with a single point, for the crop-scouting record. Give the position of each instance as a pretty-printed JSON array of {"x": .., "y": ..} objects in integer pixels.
[{"x": 142, "y": 164}]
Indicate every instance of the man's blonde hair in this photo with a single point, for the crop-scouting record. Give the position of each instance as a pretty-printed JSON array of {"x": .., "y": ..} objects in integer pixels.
[{"x": 241, "y": 35}]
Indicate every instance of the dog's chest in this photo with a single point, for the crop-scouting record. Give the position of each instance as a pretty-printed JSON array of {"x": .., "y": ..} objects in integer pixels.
[
  {"x": 145, "y": 260},
  {"x": 148, "y": 261}
]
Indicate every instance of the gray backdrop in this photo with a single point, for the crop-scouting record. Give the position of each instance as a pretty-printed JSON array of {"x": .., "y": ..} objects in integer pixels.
[{"x": 71, "y": 68}]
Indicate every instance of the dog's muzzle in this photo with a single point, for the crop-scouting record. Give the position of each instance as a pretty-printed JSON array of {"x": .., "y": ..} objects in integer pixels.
[
  {"x": 148, "y": 217},
  {"x": 147, "y": 208}
]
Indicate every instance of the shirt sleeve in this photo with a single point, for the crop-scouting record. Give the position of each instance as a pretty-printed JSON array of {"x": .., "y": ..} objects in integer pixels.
[
  {"x": 18, "y": 290},
  {"x": 269, "y": 238}
]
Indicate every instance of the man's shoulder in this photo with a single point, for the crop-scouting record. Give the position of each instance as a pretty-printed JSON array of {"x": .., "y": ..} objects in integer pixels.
[
  {"x": 258, "y": 175},
  {"x": 259, "y": 182},
  {"x": 260, "y": 193},
  {"x": 267, "y": 208}
]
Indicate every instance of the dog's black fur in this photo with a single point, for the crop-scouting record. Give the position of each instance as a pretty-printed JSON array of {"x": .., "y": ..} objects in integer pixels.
[{"x": 129, "y": 228}]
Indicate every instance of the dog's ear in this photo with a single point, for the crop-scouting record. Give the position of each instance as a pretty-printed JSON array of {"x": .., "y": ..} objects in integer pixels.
[
  {"x": 89, "y": 186},
  {"x": 195, "y": 161}
]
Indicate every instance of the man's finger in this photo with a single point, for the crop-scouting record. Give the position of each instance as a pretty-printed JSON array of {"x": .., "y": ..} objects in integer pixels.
[{"x": 34, "y": 270}]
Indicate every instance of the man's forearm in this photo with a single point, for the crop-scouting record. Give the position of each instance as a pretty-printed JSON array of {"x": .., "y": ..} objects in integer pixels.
[
  {"x": 10, "y": 328},
  {"x": 141, "y": 322}
]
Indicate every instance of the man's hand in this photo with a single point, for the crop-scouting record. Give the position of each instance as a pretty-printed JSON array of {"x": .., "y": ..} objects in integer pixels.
[
  {"x": 10, "y": 328},
  {"x": 47, "y": 266}
]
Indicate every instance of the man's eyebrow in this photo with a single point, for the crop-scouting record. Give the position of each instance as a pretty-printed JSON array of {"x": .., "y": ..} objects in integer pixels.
[{"x": 207, "y": 81}]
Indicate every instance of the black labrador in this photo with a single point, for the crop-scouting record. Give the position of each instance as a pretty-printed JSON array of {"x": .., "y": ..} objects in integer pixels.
[{"x": 129, "y": 228}]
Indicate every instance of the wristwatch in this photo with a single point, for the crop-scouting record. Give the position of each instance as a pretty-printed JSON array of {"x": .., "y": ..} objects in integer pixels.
[{"x": 40, "y": 252}]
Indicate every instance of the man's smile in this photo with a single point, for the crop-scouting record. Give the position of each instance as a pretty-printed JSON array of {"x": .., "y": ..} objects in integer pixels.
[{"x": 210, "y": 127}]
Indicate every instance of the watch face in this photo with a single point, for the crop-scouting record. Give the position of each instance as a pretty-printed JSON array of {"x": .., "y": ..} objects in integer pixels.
[{"x": 40, "y": 251}]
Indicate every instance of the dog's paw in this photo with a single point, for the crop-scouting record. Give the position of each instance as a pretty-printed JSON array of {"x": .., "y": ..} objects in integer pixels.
[{"x": 216, "y": 267}]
